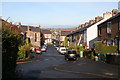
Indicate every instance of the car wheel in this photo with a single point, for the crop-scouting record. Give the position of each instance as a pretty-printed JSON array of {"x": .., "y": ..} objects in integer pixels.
[
  {"x": 75, "y": 59},
  {"x": 66, "y": 59}
]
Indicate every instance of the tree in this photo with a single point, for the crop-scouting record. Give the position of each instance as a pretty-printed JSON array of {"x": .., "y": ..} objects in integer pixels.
[
  {"x": 11, "y": 40},
  {"x": 66, "y": 42}
]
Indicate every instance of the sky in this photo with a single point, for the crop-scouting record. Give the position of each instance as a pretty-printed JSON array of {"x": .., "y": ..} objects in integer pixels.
[{"x": 54, "y": 14}]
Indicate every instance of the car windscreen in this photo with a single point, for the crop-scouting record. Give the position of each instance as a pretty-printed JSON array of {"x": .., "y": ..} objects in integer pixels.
[
  {"x": 43, "y": 47},
  {"x": 37, "y": 49},
  {"x": 71, "y": 52},
  {"x": 63, "y": 49}
]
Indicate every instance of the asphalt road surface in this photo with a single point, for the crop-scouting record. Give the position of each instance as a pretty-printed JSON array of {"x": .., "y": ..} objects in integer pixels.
[{"x": 51, "y": 64}]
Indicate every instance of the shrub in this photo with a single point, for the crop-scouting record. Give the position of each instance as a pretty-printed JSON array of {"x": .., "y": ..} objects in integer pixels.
[
  {"x": 66, "y": 42},
  {"x": 98, "y": 46},
  {"x": 80, "y": 48},
  {"x": 109, "y": 49},
  {"x": 71, "y": 47},
  {"x": 101, "y": 48},
  {"x": 24, "y": 50},
  {"x": 10, "y": 41},
  {"x": 21, "y": 53}
]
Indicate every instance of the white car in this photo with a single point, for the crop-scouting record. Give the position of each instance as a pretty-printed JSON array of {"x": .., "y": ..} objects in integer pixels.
[
  {"x": 57, "y": 47},
  {"x": 44, "y": 48},
  {"x": 62, "y": 50}
]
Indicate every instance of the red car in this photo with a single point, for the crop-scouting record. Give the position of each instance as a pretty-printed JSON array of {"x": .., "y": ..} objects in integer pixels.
[{"x": 38, "y": 51}]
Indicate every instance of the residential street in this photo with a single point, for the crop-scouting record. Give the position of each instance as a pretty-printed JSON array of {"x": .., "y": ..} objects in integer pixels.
[{"x": 51, "y": 64}]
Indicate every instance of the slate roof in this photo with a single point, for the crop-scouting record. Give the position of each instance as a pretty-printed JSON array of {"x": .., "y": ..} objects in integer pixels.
[
  {"x": 46, "y": 31},
  {"x": 65, "y": 32},
  {"x": 118, "y": 15},
  {"x": 82, "y": 29},
  {"x": 24, "y": 28},
  {"x": 11, "y": 26}
]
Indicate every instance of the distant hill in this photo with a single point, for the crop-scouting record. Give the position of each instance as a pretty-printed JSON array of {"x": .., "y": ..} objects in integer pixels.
[{"x": 61, "y": 26}]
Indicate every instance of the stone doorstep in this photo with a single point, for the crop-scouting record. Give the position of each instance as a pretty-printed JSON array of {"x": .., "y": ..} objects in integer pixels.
[{"x": 23, "y": 59}]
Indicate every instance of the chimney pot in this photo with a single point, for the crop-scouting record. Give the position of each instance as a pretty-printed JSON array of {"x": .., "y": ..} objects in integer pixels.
[
  {"x": 98, "y": 18},
  {"x": 107, "y": 15},
  {"x": 91, "y": 22},
  {"x": 114, "y": 12},
  {"x": 86, "y": 24},
  {"x": 82, "y": 25}
]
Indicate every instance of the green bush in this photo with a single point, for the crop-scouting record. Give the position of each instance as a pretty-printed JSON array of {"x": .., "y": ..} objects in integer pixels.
[
  {"x": 80, "y": 48},
  {"x": 101, "y": 48},
  {"x": 109, "y": 49},
  {"x": 98, "y": 46},
  {"x": 66, "y": 42},
  {"x": 89, "y": 54},
  {"x": 21, "y": 53},
  {"x": 10, "y": 43},
  {"x": 71, "y": 47},
  {"x": 24, "y": 50}
]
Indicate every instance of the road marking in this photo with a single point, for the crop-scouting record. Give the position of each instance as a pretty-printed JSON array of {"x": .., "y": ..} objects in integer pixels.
[
  {"x": 74, "y": 61},
  {"x": 46, "y": 59},
  {"x": 82, "y": 73},
  {"x": 80, "y": 64},
  {"x": 108, "y": 74}
]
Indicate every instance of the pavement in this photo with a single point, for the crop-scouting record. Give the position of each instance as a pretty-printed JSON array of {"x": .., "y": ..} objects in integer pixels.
[
  {"x": 86, "y": 66},
  {"x": 32, "y": 58}
]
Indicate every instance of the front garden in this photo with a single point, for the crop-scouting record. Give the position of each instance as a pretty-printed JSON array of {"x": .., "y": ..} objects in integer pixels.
[{"x": 101, "y": 52}]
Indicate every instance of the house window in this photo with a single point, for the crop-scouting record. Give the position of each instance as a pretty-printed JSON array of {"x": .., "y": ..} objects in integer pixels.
[
  {"x": 35, "y": 37},
  {"x": 110, "y": 42},
  {"x": 100, "y": 31},
  {"x": 109, "y": 27},
  {"x": 85, "y": 36}
]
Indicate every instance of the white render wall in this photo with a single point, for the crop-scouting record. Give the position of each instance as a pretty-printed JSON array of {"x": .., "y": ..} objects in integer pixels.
[
  {"x": 92, "y": 33},
  {"x": 62, "y": 38},
  {"x": 47, "y": 41}
]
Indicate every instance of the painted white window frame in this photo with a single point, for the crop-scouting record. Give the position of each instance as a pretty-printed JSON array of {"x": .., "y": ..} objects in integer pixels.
[{"x": 109, "y": 26}]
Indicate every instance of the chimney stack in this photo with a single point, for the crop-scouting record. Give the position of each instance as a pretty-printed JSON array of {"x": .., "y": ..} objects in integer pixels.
[
  {"x": 107, "y": 15},
  {"x": 19, "y": 25},
  {"x": 114, "y": 12},
  {"x": 82, "y": 25},
  {"x": 86, "y": 24},
  {"x": 98, "y": 18},
  {"x": 91, "y": 22},
  {"x": 79, "y": 26},
  {"x": 11, "y": 23},
  {"x": 76, "y": 28}
]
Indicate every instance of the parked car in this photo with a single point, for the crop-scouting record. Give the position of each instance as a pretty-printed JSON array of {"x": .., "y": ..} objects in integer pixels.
[
  {"x": 43, "y": 48},
  {"x": 38, "y": 51},
  {"x": 71, "y": 54},
  {"x": 62, "y": 50},
  {"x": 57, "y": 47}
]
